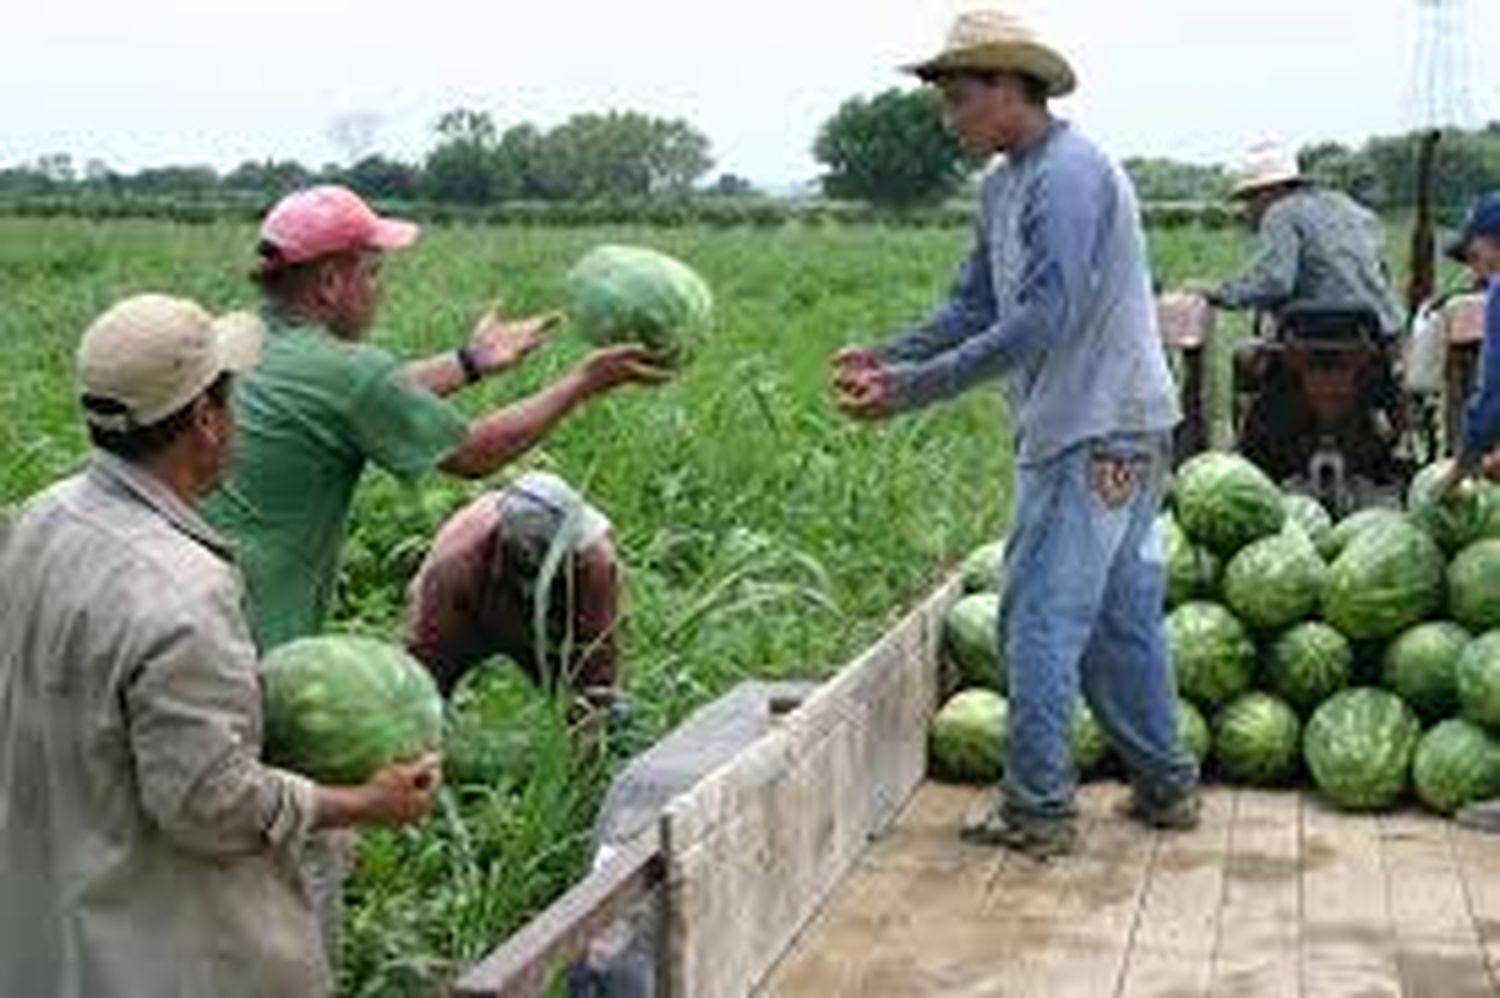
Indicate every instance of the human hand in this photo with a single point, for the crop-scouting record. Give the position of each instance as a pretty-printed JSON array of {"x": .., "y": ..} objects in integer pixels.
[
  {"x": 629, "y": 364},
  {"x": 498, "y": 344},
  {"x": 866, "y": 393},
  {"x": 402, "y": 793}
]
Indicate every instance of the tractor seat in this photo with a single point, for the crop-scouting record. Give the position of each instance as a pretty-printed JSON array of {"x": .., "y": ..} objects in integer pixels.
[{"x": 1328, "y": 322}]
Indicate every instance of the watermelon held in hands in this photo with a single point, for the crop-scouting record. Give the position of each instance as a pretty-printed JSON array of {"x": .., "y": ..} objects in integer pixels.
[
  {"x": 1474, "y": 586},
  {"x": 1212, "y": 654},
  {"x": 971, "y": 636},
  {"x": 1456, "y": 764},
  {"x": 1257, "y": 740},
  {"x": 1479, "y": 681},
  {"x": 629, "y": 294},
  {"x": 1358, "y": 747},
  {"x": 1224, "y": 502},
  {"x": 1308, "y": 664},
  {"x": 1421, "y": 667},
  {"x": 339, "y": 708},
  {"x": 1390, "y": 577},
  {"x": 1276, "y": 581}
]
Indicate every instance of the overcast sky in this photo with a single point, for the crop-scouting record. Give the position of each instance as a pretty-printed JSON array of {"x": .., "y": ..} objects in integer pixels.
[{"x": 151, "y": 81}]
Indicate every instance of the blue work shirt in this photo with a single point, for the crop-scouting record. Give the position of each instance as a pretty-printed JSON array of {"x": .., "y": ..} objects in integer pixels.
[
  {"x": 1482, "y": 416},
  {"x": 1056, "y": 300}
]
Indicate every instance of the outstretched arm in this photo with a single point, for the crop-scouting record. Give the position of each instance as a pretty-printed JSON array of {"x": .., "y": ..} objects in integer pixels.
[
  {"x": 495, "y": 345},
  {"x": 1060, "y": 228},
  {"x": 1272, "y": 278},
  {"x": 496, "y": 440}
]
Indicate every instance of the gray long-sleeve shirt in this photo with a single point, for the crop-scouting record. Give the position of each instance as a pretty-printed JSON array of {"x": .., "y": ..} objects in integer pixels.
[
  {"x": 1317, "y": 245},
  {"x": 1056, "y": 300},
  {"x": 144, "y": 848}
]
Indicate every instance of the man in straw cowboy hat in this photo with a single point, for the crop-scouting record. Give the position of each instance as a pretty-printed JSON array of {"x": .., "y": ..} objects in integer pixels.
[
  {"x": 1055, "y": 301},
  {"x": 1317, "y": 247},
  {"x": 146, "y": 848}
]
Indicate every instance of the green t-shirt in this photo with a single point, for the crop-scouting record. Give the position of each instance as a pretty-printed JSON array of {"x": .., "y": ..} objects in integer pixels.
[{"x": 309, "y": 418}]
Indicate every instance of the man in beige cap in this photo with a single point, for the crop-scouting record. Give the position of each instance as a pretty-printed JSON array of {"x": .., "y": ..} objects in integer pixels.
[
  {"x": 1056, "y": 301},
  {"x": 1318, "y": 247},
  {"x": 146, "y": 849}
]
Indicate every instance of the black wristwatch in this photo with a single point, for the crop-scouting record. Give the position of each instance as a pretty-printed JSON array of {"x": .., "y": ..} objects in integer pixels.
[{"x": 472, "y": 373}]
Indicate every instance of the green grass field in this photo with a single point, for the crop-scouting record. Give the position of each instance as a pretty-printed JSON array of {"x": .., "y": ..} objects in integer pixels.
[{"x": 764, "y": 535}]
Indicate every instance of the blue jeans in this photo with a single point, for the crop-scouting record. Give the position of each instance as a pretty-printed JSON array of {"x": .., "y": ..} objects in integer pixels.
[{"x": 1083, "y": 601}]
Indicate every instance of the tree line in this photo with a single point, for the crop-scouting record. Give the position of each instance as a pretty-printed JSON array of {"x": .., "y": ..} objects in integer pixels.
[{"x": 892, "y": 151}]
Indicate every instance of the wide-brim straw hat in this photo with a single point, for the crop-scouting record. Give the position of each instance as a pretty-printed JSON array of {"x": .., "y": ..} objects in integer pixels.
[
  {"x": 994, "y": 41},
  {"x": 1267, "y": 164}
]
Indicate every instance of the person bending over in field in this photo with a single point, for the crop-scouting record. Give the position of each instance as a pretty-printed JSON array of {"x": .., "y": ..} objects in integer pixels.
[
  {"x": 1056, "y": 300},
  {"x": 146, "y": 849},
  {"x": 325, "y": 402}
]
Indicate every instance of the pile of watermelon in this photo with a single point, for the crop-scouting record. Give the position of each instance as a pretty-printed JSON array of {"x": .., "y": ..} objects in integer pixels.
[{"x": 1362, "y": 656}]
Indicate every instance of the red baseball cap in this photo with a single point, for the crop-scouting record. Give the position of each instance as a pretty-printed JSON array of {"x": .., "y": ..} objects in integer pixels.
[{"x": 324, "y": 221}]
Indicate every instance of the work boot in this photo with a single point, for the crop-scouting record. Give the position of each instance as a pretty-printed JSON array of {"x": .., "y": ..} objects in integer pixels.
[
  {"x": 1481, "y": 817},
  {"x": 1041, "y": 839},
  {"x": 1174, "y": 812}
]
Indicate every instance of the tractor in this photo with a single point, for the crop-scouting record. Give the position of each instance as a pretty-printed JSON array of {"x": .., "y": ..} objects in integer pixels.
[{"x": 1322, "y": 401}]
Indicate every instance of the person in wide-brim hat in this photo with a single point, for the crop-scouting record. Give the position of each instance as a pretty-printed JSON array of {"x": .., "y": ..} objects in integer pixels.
[
  {"x": 1055, "y": 299},
  {"x": 998, "y": 42}
]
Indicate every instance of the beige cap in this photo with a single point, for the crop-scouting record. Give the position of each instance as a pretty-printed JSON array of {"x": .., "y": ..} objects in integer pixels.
[
  {"x": 996, "y": 41},
  {"x": 1267, "y": 164},
  {"x": 151, "y": 355}
]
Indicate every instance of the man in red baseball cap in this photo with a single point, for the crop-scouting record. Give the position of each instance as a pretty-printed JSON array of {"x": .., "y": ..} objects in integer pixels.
[{"x": 325, "y": 402}]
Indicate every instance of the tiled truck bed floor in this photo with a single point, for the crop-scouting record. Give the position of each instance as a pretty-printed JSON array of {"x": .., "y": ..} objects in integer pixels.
[{"x": 1275, "y": 895}]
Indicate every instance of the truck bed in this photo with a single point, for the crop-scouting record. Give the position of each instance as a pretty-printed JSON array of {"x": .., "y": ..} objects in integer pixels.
[{"x": 1275, "y": 895}]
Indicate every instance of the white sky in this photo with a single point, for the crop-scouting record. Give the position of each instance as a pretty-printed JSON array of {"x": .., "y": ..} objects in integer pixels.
[{"x": 151, "y": 81}]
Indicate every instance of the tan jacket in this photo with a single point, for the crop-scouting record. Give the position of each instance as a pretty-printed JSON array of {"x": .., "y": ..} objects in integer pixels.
[{"x": 144, "y": 849}]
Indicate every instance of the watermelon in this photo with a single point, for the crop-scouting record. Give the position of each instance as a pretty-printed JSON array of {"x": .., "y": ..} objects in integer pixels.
[
  {"x": 1489, "y": 510},
  {"x": 1308, "y": 664},
  {"x": 1358, "y": 747},
  {"x": 971, "y": 636},
  {"x": 629, "y": 294},
  {"x": 1355, "y": 524},
  {"x": 966, "y": 742},
  {"x": 1479, "y": 681},
  {"x": 338, "y": 708},
  {"x": 1275, "y": 581},
  {"x": 983, "y": 570},
  {"x": 1192, "y": 571},
  {"x": 1315, "y": 521},
  {"x": 1192, "y": 730},
  {"x": 1257, "y": 740},
  {"x": 1421, "y": 667},
  {"x": 1456, "y": 764},
  {"x": 1454, "y": 520},
  {"x": 1474, "y": 586},
  {"x": 1388, "y": 578},
  {"x": 1091, "y": 749},
  {"x": 1211, "y": 652},
  {"x": 1224, "y": 502}
]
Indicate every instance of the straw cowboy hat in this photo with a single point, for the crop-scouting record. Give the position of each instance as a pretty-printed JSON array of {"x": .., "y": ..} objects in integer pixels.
[
  {"x": 1267, "y": 164},
  {"x": 993, "y": 41}
]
